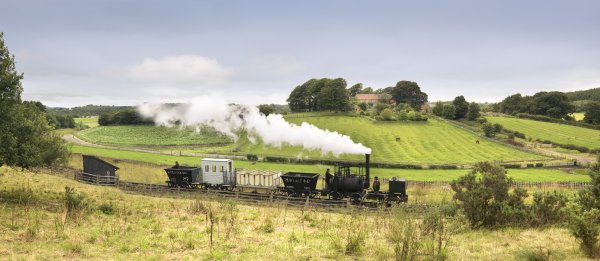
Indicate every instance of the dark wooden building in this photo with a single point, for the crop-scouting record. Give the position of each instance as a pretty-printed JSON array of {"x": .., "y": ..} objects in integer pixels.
[{"x": 98, "y": 171}]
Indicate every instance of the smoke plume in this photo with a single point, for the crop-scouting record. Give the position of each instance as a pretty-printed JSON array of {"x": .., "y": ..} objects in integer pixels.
[{"x": 230, "y": 119}]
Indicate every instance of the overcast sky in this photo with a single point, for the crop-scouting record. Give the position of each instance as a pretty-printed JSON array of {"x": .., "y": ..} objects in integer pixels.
[{"x": 128, "y": 52}]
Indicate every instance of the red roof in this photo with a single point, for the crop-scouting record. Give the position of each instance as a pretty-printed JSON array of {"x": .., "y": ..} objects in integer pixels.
[{"x": 371, "y": 96}]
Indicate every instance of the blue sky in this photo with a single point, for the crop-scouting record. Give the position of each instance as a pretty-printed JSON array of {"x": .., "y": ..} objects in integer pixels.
[{"x": 128, "y": 52}]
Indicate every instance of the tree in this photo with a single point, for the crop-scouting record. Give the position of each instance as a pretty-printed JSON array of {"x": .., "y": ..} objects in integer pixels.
[
  {"x": 265, "y": 109},
  {"x": 473, "y": 112},
  {"x": 333, "y": 96},
  {"x": 448, "y": 111},
  {"x": 438, "y": 109},
  {"x": 512, "y": 104},
  {"x": 592, "y": 113},
  {"x": 355, "y": 89},
  {"x": 488, "y": 130},
  {"x": 297, "y": 99},
  {"x": 552, "y": 104},
  {"x": 367, "y": 90},
  {"x": 26, "y": 139},
  {"x": 409, "y": 92},
  {"x": 462, "y": 107}
]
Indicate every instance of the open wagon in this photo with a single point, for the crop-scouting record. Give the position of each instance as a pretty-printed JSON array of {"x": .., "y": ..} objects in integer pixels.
[
  {"x": 298, "y": 184},
  {"x": 183, "y": 177}
]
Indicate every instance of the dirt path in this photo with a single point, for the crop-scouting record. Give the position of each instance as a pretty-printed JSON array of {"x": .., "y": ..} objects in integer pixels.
[{"x": 582, "y": 159}]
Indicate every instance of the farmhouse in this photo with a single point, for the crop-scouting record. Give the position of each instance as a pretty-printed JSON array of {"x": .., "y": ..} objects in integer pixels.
[{"x": 370, "y": 98}]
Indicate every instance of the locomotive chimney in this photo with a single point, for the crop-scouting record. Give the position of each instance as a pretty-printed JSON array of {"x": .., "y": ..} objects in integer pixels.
[{"x": 367, "y": 170}]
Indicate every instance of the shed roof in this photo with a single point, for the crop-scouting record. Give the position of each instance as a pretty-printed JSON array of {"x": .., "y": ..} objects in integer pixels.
[
  {"x": 101, "y": 160},
  {"x": 218, "y": 160}
]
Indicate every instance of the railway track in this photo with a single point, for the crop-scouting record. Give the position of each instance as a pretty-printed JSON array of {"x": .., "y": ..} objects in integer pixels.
[{"x": 272, "y": 199}]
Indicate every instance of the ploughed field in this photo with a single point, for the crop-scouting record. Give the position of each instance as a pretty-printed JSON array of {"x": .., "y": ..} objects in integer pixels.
[
  {"x": 433, "y": 142},
  {"x": 557, "y": 133}
]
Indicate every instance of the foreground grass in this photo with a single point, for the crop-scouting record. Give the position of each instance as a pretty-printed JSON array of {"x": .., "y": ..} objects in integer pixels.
[
  {"x": 559, "y": 133},
  {"x": 527, "y": 175},
  {"x": 115, "y": 225},
  {"x": 150, "y": 135}
]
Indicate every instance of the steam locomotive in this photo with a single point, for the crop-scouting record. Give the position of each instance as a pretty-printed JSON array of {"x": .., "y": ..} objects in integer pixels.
[{"x": 348, "y": 181}]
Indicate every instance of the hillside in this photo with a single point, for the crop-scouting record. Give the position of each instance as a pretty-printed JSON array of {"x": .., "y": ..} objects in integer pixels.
[
  {"x": 591, "y": 94},
  {"x": 557, "y": 133}
]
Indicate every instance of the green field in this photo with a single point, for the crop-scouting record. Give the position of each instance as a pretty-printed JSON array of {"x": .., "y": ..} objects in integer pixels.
[
  {"x": 558, "y": 133},
  {"x": 526, "y": 175},
  {"x": 432, "y": 142},
  {"x": 90, "y": 122},
  {"x": 149, "y": 136},
  {"x": 578, "y": 116}
]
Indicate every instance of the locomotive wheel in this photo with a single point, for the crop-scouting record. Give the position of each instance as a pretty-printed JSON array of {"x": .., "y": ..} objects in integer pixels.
[
  {"x": 335, "y": 195},
  {"x": 356, "y": 198},
  {"x": 307, "y": 193},
  {"x": 171, "y": 184}
]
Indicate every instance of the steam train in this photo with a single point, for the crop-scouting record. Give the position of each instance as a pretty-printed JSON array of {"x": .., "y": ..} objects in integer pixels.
[{"x": 348, "y": 181}]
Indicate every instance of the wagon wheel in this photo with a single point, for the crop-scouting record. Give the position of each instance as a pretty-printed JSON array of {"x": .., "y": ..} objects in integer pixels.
[
  {"x": 229, "y": 188},
  {"x": 185, "y": 184},
  {"x": 335, "y": 195},
  {"x": 194, "y": 186},
  {"x": 356, "y": 198},
  {"x": 307, "y": 193}
]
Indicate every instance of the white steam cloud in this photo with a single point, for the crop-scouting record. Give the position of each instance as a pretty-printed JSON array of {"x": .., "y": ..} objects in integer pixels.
[{"x": 229, "y": 119}]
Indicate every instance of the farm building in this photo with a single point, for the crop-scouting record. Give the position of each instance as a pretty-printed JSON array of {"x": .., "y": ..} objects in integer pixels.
[
  {"x": 98, "y": 171},
  {"x": 370, "y": 98}
]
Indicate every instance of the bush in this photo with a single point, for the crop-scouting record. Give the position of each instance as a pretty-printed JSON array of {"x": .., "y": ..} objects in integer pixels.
[
  {"x": 484, "y": 196},
  {"x": 107, "y": 208},
  {"x": 74, "y": 202},
  {"x": 548, "y": 208},
  {"x": 444, "y": 166},
  {"x": 488, "y": 130},
  {"x": 585, "y": 228},
  {"x": 386, "y": 114},
  {"x": 252, "y": 157}
]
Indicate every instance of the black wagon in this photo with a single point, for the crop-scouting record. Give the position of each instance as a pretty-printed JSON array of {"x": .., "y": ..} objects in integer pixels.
[
  {"x": 300, "y": 184},
  {"x": 183, "y": 177}
]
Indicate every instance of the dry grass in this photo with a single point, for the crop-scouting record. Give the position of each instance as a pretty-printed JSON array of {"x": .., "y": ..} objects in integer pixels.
[{"x": 153, "y": 228}]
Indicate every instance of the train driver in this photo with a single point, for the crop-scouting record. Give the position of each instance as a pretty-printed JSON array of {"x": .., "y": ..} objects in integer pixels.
[{"x": 328, "y": 178}]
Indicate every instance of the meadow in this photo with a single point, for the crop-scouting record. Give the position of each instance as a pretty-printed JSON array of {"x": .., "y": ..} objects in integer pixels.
[
  {"x": 150, "y": 136},
  {"x": 433, "y": 142},
  {"x": 88, "y": 121},
  {"x": 578, "y": 116},
  {"x": 40, "y": 220},
  {"x": 525, "y": 175},
  {"x": 558, "y": 133}
]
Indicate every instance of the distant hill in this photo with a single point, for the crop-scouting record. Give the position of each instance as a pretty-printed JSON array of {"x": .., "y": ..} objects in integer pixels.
[
  {"x": 88, "y": 110},
  {"x": 591, "y": 94}
]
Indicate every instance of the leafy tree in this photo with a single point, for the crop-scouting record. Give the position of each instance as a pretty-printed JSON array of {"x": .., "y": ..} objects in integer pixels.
[
  {"x": 462, "y": 107},
  {"x": 320, "y": 94},
  {"x": 363, "y": 106},
  {"x": 355, "y": 89},
  {"x": 265, "y": 109},
  {"x": 585, "y": 219},
  {"x": 410, "y": 93},
  {"x": 297, "y": 99},
  {"x": 26, "y": 139},
  {"x": 592, "y": 113},
  {"x": 438, "y": 109},
  {"x": 367, "y": 90},
  {"x": 448, "y": 111},
  {"x": 498, "y": 128},
  {"x": 473, "y": 112},
  {"x": 552, "y": 104}
]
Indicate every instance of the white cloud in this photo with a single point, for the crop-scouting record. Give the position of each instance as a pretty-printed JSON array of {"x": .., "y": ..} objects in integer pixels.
[{"x": 180, "y": 70}]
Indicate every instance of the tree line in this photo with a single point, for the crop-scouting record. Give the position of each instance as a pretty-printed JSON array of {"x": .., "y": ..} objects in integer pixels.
[{"x": 332, "y": 95}]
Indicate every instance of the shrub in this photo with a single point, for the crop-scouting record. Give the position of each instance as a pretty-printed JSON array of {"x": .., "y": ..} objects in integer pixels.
[
  {"x": 74, "y": 202},
  {"x": 484, "y": 196},
  {"x": 386, "y": 114},
  {"x": 252, "y": 157},
  {"x": 548, "y": 208},
  {"x": 585, "y": 228},
  {"x": 488, "y": 130},
  {"x": 107, "y": 208}
]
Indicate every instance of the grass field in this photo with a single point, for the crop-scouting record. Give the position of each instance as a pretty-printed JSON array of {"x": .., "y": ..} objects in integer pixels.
[
  {"x": 149, "y": 136},
  {"x": 559, "y": 133},
  {"x": 90, "y": 122},
  {"x": 578, "y": 116},
  {"x": 107, "y": 224},
  {"x": 528, "y": 175},
  {"x": 431, "y": 142}
]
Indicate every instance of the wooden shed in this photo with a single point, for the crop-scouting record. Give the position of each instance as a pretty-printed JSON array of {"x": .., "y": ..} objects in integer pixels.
[{"x": 98, "y": 171}]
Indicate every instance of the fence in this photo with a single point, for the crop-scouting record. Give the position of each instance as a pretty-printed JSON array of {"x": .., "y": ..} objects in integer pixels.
[
  {"x": 521, "y": 184},
  {"x": 97, "y": 179}
]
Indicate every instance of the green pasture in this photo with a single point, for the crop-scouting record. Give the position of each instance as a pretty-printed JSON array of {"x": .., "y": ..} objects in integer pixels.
[
  {"x": 88, "y": 121},
  {"x": 527, "y": 175},
  {"x": 559, "y": 133},
  {"x": 150, "y": 136},
  {"x": 578, "y": 116}
]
